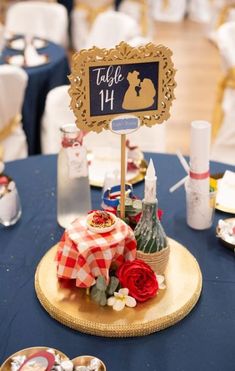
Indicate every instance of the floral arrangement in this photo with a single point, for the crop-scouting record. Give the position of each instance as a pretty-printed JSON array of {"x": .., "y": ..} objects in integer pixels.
[
  {"x": 213, "y": 184},
  {"x": 131, "y": 283}
]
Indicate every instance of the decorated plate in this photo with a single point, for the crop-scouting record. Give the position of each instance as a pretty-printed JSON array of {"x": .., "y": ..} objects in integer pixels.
[
  {"x": 101, "y": 221},
  {"x": 19, "y": 60},
  {"x": 19, "y": 43},
  {"x": 6, "y": 366}
]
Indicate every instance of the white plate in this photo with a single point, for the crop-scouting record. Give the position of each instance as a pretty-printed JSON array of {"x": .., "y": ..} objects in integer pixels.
[
  {"x": 107, "y": 160},
  {"x": 19, "y": 43},
  {"x": 101, "y": 230},
  {"x": 225, "y": 198},
  {"x": 18, "y": 60}
]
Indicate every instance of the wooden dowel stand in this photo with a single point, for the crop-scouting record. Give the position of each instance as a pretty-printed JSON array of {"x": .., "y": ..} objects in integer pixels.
[{"x": 123, "y": 175}]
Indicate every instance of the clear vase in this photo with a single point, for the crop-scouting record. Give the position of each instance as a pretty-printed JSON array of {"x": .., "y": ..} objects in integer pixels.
[{"x": 73, "y": 189}]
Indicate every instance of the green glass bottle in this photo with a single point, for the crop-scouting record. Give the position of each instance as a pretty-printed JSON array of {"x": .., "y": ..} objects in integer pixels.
[{"x": 149, "y": 233}]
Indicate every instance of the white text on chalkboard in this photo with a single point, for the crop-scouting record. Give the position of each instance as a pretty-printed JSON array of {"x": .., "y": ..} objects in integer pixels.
[
  {"x": 111, "y": 76},
  {"x": 106, "y": 98}
]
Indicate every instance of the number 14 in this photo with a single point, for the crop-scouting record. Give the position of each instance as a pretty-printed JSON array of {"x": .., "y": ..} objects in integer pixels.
[{"x": 105, "y": 98}]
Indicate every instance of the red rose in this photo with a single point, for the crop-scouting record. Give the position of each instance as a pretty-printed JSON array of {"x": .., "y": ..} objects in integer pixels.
[{"x": 139, "y": 278}]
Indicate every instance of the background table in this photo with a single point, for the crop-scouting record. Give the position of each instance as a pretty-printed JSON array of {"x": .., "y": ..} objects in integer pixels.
[
  {"x": 203, "y": 341},
  {"x": 41, "y": 80},
  {"x": 69, "y": 4}
]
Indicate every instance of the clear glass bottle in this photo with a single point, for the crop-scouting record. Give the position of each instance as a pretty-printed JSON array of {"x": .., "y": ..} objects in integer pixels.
[
  {"x": 73, "y": 189},
  {"x": 149, "y": 233}
]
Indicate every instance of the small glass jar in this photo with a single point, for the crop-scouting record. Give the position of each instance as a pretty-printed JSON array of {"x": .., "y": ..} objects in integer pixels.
[{"x": 73, "y": 189}]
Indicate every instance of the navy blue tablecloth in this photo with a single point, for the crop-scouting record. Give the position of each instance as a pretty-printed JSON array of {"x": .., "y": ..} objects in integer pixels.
[
  {"x": 204, "y": 340},
  {"x": 41, "y": 80}
]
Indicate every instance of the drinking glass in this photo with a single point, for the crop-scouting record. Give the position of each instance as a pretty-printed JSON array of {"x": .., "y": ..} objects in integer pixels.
[
  {"x": 200, "y": 208},
  {"x": 10, "y": 206}
]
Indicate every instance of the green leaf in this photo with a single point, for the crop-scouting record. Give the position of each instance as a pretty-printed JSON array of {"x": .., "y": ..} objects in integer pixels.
[
  {"x": 103, "y": 299},
  {"x": 101, "y": 284},
  {"x": 96, "y": 294},
  {"x": 113, "y": 284}
]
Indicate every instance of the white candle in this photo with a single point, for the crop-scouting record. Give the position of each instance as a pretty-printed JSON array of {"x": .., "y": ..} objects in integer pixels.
[{"x": 150, "y": 184}]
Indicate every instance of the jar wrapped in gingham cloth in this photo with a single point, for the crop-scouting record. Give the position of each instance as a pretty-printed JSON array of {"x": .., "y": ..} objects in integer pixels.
[{"x": 83, "y": 255}]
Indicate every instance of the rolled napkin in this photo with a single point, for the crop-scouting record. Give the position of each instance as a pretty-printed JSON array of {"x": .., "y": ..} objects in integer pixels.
[
  {"x": 199, "y": 200},
  {"x": 199, "y": 173},
  {"x": 31, "y": 56}
]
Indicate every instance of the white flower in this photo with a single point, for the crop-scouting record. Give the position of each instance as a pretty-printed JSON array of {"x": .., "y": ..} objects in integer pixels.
[
  {"x": 120, "y": 299},
  {"x": 160, "y": 280}
]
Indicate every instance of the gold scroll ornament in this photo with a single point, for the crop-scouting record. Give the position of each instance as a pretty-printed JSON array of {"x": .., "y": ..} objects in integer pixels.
[
  {"x": 227, "y": 82},
  {"x": 7, "y": 130},
  {"x": 122, "y": 54}
]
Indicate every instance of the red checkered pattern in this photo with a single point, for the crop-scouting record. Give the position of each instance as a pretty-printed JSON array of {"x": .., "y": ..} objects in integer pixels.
[{"x": 83, "y": 255}]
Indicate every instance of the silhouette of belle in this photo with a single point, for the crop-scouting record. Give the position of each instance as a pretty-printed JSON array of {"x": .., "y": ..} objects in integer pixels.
[{"x": 143, "y": 98}]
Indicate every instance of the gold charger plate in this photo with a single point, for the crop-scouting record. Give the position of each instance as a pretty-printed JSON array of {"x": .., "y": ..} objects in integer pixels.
[
  {"x": 6, "y": 366},
  {"x": 73, "y": 308}
]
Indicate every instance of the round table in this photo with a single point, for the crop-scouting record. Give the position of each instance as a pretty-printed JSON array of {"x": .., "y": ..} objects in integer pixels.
[
  {"x": 201, "y": 341},
  {"x": 41, "y": 80}
]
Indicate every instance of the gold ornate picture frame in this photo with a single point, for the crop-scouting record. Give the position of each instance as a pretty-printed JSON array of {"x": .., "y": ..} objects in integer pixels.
[{"x": 125, "y": 80}]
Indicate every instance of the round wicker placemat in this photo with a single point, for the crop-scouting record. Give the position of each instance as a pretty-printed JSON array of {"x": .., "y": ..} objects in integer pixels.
[{"x": 73, "y": 308}]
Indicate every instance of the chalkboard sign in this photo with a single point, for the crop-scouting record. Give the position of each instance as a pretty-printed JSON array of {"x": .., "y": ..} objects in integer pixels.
[
  {"x": 106, "y": 83},
  {"x": 125, "y": 88}
]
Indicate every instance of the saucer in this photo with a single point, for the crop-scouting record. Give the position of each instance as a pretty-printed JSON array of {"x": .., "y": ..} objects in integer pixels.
[
  {"x": 19, "y": 43},
  {"x": 19, "y": 60},
  {"x": 101, "y": 229}
]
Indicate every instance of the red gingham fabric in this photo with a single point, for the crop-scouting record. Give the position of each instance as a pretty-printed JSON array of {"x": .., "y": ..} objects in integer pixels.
[{"x": 84, "y": 255}]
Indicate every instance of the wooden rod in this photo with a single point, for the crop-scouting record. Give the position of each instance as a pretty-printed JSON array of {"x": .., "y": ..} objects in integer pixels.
[{"x": 123, "y": 175}]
